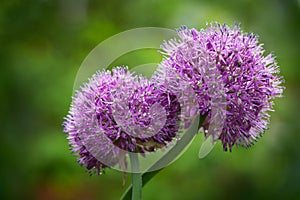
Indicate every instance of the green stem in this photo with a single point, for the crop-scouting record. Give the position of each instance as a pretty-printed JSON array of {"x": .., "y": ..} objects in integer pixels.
[
  {"x": 137, "y": 184},
  {"x": 168, "y": 157}
]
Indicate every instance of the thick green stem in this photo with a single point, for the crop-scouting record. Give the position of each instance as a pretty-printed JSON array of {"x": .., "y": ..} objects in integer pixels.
[
  {"x": 168, "y": 157},
  {"x": 137, "y": 184}
]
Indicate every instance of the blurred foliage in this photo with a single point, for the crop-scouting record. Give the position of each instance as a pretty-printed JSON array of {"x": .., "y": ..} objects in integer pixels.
[{"x": 42, "y": 44}]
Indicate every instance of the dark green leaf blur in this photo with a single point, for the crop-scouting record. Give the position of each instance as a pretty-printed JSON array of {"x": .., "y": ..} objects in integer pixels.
[{"x": 42, "y": 44}]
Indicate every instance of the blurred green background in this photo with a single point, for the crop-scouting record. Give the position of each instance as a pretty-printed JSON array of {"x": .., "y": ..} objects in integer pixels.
[{"x": 42, "y": 44}]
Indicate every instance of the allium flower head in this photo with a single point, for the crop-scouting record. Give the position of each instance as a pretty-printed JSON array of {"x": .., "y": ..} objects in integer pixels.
[
  {"x": 225, "y": 62},
  {"x": 118, "y": 112}
]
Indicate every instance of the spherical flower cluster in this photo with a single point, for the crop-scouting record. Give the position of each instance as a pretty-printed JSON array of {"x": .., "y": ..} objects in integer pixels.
[
  {"x": 224, "y": 62},
  {"x": 115, "y": 113}
]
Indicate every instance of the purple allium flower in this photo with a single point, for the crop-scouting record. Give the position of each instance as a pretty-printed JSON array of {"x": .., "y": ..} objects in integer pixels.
[
  {"x": 223, "y": 62},
  {"x": 117, "y": 112}
]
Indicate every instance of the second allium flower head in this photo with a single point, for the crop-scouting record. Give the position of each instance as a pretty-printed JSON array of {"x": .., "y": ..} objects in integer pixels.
[{"x": 220, "y": 57}]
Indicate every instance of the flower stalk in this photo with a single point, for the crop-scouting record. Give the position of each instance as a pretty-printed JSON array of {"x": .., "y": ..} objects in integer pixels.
[
  {"x": 167, "y": 158},
  {"x": 137, "y": 184}
]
